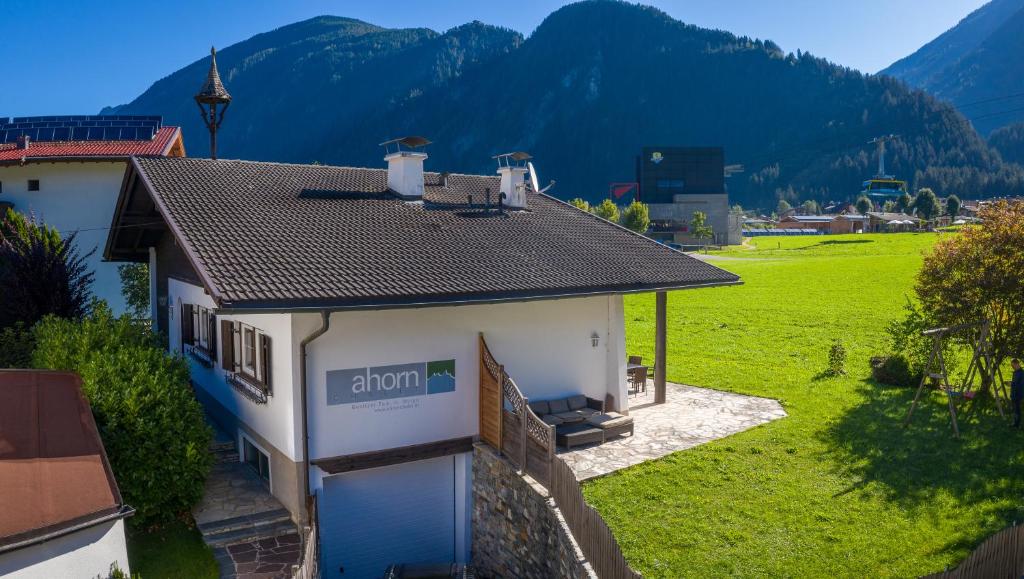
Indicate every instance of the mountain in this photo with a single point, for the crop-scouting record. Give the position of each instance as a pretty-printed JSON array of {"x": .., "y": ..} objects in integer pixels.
[
  {"x": 592, "y": 85},
  {"x": 976, "y": 65},
  {"x": 1009, "y": 141}
]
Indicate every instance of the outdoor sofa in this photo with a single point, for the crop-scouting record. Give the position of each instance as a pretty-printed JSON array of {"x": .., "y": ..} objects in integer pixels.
[{"x": 581, "y": 420}]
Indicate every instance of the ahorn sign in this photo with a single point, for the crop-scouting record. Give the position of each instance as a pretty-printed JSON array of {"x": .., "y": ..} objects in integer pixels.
[{"x": 394, "y": 381}]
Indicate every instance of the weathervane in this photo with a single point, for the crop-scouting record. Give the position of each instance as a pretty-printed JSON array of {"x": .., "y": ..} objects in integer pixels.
[{"x": 213, "y": 94}]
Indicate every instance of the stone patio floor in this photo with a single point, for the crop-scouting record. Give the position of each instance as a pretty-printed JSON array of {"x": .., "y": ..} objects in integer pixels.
[
  {"x": 264, "y": 559},
  {"x": 689, "y": 417},
  {"x": 233, "y": 490}
]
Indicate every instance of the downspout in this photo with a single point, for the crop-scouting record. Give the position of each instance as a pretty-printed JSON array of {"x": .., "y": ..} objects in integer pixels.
[{"x": 325, "y": 324}]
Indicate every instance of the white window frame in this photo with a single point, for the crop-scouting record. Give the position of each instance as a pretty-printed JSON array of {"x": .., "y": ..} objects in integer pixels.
[
  {"x": 242, "y": 438},
  {"x": 249, "y": 363}
]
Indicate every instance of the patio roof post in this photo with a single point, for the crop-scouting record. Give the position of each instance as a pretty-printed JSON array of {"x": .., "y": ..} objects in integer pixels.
[{"x": 661, "y": 305}]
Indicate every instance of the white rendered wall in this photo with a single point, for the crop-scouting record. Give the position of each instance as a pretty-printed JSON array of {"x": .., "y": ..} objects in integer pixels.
[
  {"x": 276, "y": 421},
  {"x": 545, "y": 346},
  {"x": 73, "y": 196},
  {"x": 85, "y": 553}
]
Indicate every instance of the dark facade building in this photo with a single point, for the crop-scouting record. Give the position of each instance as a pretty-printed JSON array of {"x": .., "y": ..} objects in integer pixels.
[{"x": 676, "y": 182}]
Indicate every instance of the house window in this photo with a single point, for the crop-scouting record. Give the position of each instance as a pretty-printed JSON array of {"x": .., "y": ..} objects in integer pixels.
[
  {"x": 199, "y": 333},
  {"x": 256, "y": 458},
  {"x": 246, "y": 354},
  {"x": 33, "y": 184}
]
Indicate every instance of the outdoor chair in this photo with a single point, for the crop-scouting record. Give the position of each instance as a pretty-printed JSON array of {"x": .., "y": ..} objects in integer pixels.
[{"x": 638, "y": 380}]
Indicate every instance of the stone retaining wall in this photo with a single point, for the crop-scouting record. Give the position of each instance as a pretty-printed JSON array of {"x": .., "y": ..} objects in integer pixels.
[{"x": 518, "y": 530}]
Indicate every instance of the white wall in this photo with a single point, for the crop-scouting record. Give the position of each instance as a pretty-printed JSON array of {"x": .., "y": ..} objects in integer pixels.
[
  {"x": 276, "y": 420},
  {"x": 85, "y": 553},
  {"x": 73, "y": 196},
  {"x": 544, "y": 345}
]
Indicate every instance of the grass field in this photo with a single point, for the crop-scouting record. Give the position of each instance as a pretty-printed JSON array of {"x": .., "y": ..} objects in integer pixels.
[
  {"x": 838, "y": 488},
  {"x": 176, "y": 550}
]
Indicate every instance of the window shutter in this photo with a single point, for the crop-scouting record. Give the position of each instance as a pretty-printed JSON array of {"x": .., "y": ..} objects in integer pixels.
[
  {"x": 227, "y": 345},
  {"x": 186, "y": 325},
  {"x": 265, "y": 359},
  {"x": 211, "y": 331}
]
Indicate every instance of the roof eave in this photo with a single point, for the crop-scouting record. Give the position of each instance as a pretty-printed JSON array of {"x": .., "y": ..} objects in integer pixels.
[{"x": 255, "y": 306}]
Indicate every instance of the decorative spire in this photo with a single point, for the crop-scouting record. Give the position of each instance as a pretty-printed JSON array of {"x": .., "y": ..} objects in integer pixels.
[
  {"x": 213, "y": 94},
  {"x": 213, "y": 91}
]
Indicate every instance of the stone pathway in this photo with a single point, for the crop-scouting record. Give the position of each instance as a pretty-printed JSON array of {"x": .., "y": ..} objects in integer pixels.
[
  {"x": 689, "y": 417},
  {"x": 264, "y": 559}
]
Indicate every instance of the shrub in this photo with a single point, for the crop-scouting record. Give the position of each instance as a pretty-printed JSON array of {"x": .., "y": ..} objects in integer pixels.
[
  {"x": 580, "y": 204},
  {"x": 894, "y": 370},
  {"x": 607, "y": 210},
  {"x": 906, "y": 341},
  {"x": 636, "y": 217},
  {"x": 151, "y": 424},
  {"x": 836, "y": 359},
  {"x": 16, "y": 345}
]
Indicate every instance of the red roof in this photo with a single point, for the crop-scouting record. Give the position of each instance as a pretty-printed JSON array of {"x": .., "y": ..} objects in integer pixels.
[
  {"x": 53, "y": 469},
  {"x": 159, "y": 146}
]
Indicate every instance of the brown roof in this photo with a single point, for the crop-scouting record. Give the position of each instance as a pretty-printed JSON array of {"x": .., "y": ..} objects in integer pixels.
[
  {"x": 277, "y": 236},
  {"x": 53, "y": 469}
]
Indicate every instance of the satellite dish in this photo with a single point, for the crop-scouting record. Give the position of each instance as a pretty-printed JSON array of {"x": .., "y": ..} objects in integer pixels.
[{"x": 533, "y": 177}]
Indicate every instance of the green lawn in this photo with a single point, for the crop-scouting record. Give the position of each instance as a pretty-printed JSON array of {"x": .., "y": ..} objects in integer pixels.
[
  {"x": 174, "y": 551},
  {"x": 838, "y": 488}
]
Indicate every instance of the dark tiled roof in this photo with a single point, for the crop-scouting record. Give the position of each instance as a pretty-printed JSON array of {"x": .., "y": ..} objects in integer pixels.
[{"x": 276, "y": 235}]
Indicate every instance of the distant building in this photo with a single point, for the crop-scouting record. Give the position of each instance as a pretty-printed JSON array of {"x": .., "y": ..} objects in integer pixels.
[
  {"x": 817, "y": 222},
  {"x": 61, "y": 513},
  {"x": 67, "y": 171},
  {"x": 882, "y": 222},
  {"x": 675, "y": 182},
  {"x": 849, "y": 223}
]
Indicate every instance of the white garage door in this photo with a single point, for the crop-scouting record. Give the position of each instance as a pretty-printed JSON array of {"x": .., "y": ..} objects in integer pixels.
[{"x": 372, "y": 518}]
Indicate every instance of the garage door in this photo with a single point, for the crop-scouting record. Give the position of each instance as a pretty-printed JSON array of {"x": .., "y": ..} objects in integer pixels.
[{"x": 372, "y": 518}]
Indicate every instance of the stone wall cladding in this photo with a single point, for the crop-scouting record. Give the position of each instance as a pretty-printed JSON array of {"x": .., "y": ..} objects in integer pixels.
[{"x": 518, "y": 530}]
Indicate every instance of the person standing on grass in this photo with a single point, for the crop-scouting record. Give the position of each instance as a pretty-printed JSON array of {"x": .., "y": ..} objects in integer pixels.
[{"x": 1016, "y": 390}]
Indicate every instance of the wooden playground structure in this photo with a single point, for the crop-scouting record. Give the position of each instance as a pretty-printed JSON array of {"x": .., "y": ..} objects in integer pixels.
[{"x": 983, "y": 369}]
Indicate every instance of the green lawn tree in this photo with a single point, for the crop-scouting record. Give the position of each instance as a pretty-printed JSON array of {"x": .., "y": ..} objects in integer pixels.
[
  {"x": 953, "y": 206},
  {"x": 904, "y": 202},
  {"x": 580, "y": 203},
  {"x": 637, "y": 217},
  {"x": 135, "y": 288},
  {"x": 607, "y": 210},
  {"x": 863, "y": 204},
  {"x": 977, "y": 275},
  {"x": 700, "y": 228},
  {"x": 926, "y": 204},
  {"x": 782, "y": 207}
]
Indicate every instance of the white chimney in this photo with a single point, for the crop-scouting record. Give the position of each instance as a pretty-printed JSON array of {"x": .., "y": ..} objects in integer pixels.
[
  {"x": 405, "y": 173},
  {"x": 513, "y": 186}
]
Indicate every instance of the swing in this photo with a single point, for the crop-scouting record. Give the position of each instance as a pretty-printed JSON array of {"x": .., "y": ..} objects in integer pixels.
[{"x": 982, "y": 366}]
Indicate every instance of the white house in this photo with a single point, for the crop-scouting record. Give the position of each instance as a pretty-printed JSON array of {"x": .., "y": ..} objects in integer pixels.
[
  {"x": 332, "y": 317},
  {"x": 62, "y": 514},
  {"x": 67, "y": 171}
]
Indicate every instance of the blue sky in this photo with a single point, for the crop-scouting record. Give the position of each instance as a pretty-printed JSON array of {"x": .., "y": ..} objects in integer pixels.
[{"x": 76, "y": 56}]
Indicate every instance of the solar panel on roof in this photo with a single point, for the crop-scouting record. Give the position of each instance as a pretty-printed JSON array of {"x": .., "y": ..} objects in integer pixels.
[{"x": 80, "y": 128}]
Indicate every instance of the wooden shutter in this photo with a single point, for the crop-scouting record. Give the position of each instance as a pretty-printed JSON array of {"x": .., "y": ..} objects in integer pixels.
[
  {"x": 264, "y": 352},
  {"x": 227, "y": 345},
  {"x": 211, "y": 332},
  {"x": 186, "y": 325}
]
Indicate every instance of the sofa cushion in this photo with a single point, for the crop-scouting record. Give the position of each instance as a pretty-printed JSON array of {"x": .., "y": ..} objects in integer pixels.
[
  {"x": 609, "y": 420},
  {"x": 577, "y": 402},
  {"x": 558, "y": 406},
  {"x": 571, "y": 416},
  {"x": 552, "y": 420},
  {"x": 540, "y": 408}
]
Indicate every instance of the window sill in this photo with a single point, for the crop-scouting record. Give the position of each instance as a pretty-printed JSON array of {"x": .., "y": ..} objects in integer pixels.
[
  {"x": 199, "y": 354},
  {"x": 254, "y": 391}
]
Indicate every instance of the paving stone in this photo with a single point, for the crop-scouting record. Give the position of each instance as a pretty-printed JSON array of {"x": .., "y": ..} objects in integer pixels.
[{"x": 690, "y": 416}]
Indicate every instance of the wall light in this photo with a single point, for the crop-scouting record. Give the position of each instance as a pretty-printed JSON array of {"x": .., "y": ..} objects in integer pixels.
[{"x": 595, "y": 339}]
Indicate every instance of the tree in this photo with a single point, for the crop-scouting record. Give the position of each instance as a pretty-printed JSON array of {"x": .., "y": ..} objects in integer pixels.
[
  {"x": 737, "y": 209},
  {"x": 699, "y": 227},
  {"x": 889, "y": 207},
  {"x": 810, "y": 207},
  {"x": 636, "y": 217},
  {"x": 782, "y": 207},
  {"x": 40, "y": 273},
  {"x": 953, "y": 206},
  {"x": 864, "y": 204},
  {"x": 135, "y": 288},
  {"x": 977, "y": 275},
  {"x": 926, "y": 204},
  {"x": 152, "y": 426},
  {"x": 904, "y": 202},
  {"x": 580, "y": 204},
  {"x": 607, "y": 210}
]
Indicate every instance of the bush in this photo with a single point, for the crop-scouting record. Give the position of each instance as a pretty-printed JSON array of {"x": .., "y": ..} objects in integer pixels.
[
  {"x": 151, "y": 424},
  {"x": 906, "y": 341},
  {"x": 607, "y": 210},
  {"x": 16, "y": 345},
  {"x": 836, "y": 359},
  {"x": 894, "y": 370},
  {"x": 636, "y": 217}
]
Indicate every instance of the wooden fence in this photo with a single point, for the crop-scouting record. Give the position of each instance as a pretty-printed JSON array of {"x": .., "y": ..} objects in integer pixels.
[
  {"x": 1000, "y": 556},
  {"x": 309, "y": 565},
  {"x": 529, "y": 443}
]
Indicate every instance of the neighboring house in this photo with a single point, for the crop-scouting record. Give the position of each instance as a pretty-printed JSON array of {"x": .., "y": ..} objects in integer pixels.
[
  {"x": 67, "y": 171},
  {"x": 61, "y": 514},
  {"x": 332, "y": 319},
  {"x": 881, "y": 222},
  {"x": 817, "y": 222},
  {"x": 849, "y": 223}
]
